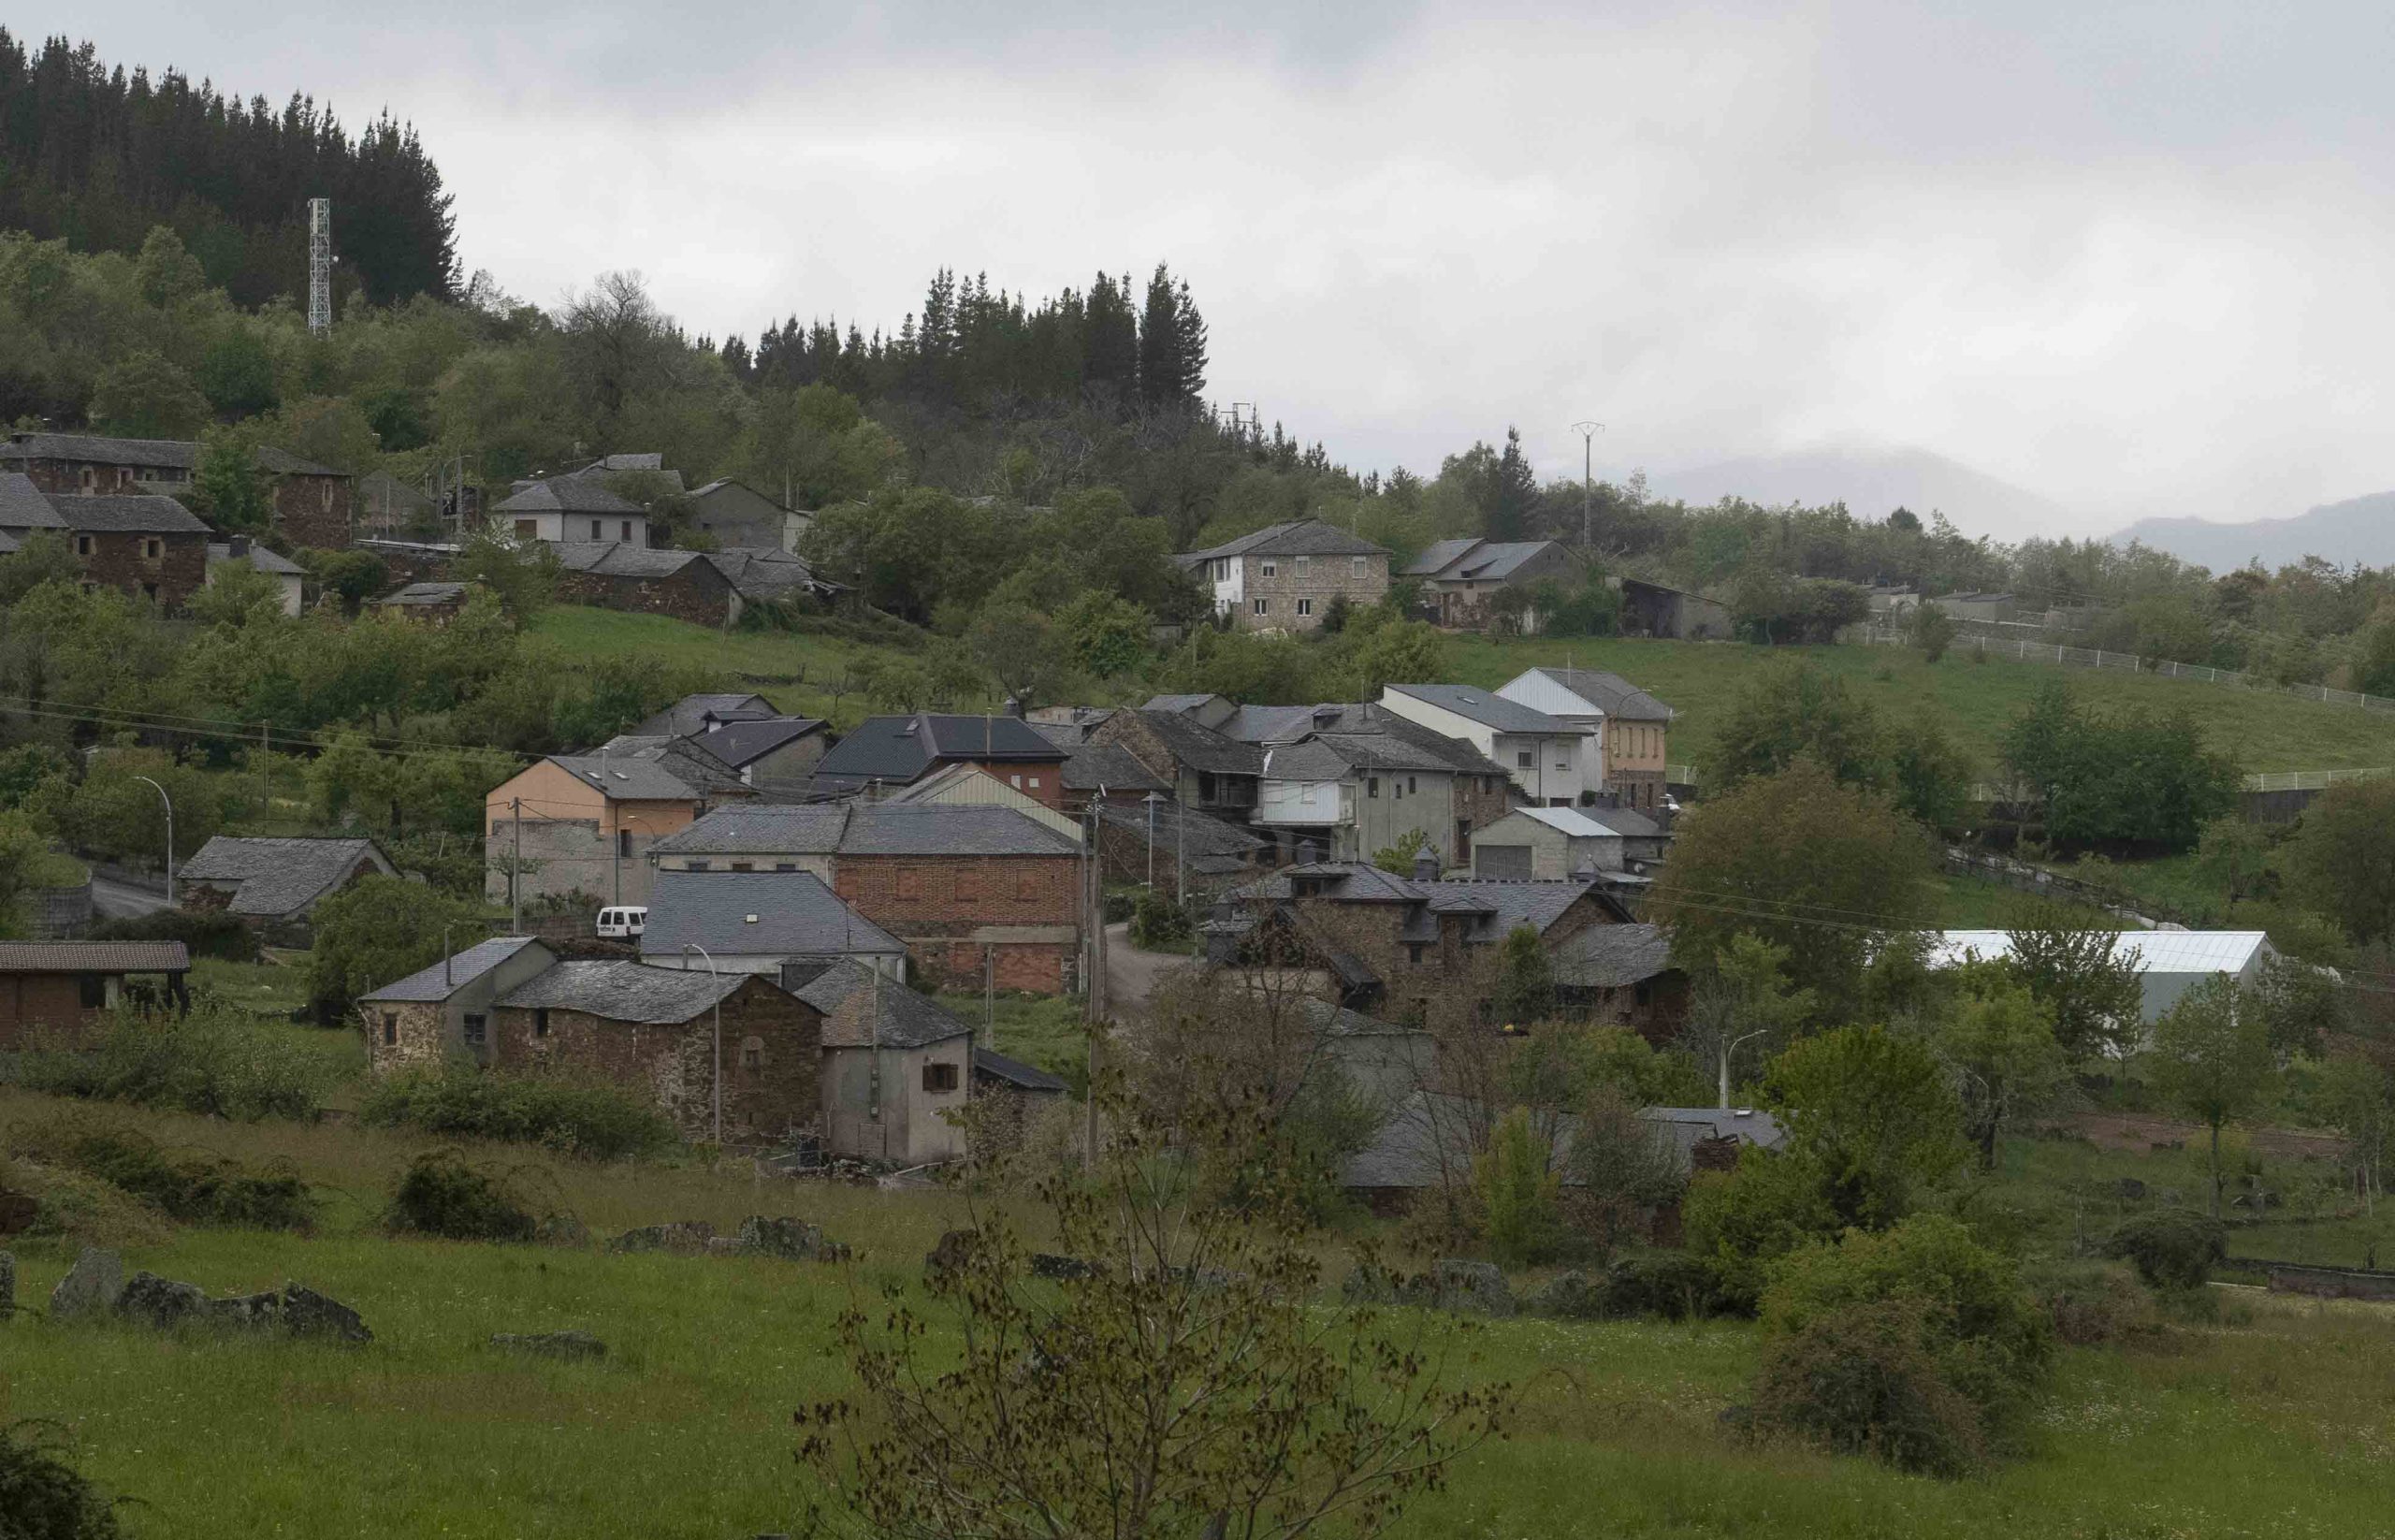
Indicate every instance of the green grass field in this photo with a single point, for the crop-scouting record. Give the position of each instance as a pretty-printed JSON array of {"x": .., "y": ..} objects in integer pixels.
[{"x": 2277, "y": 1424}]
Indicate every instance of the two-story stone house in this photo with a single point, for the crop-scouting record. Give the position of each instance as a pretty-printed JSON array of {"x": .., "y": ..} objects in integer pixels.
[
  {"x": 1282, "y": 577},
  {"x": 312, "y": 504}
]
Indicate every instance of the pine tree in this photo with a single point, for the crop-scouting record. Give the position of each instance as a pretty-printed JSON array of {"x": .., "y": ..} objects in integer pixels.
[{"x": 1514, "y": 497}]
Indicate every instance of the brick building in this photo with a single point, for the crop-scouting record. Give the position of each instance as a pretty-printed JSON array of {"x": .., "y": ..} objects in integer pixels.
[
  {"x": 55, "y": 986},
  {"x": 313, "y": 504},
  {"x": 144, "y": 545},
  {"x": 657, "y": 1030},
  {"x": 1284, "y": 576},
  {"x": 890, "y": 751},
  {"x": 443, "y": 1012}
]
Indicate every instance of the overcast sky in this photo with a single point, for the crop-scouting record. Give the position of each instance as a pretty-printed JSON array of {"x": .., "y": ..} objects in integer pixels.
[{"x": 2132, "y": 258}]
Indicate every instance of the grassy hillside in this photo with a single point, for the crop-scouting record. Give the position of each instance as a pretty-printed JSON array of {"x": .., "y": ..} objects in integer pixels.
[
  {"x": 684, "y": 1431},
  {"x": 2258, "y": 729}
]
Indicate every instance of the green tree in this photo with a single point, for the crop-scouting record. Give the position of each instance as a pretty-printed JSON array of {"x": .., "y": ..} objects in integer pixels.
[
  {"x": 1514, "y": 500},
  {"x": 142, "y": 396},
  {"x": 1931, "y": 629},
  {"x": 2303, "y": 1007},
  {"x": 2212, "y": 1060},
  {"x": 1744, "y": 1002},
  {"x": 114, "y": 814},
  {"x": 43, "y": 556},
  {"x": 2343, "y": 857},
  {"x": 2090, "y": 989},
  {"x": 2234, "y": 856},
  {"x": 231, "y": 487},
  {"x": 1394, "y": 652},
  {"x": 523, "y": 574},
  {"x": 378, "y": 929},
  {"x": 236, "y": 375},
  {"x": 1519, "y": 1192},
  {"x": 1928, "y": 775},
  {"x": 1792, "y": 710},
  {"x": 1998, "y": 1045},
  {"x": 1398, "y": 858},
  {"x": 1525, "y": 990},
  {"x": 1108, "y": 635},
  {"x": 236, "y": 595},
  {"x": 2130, "y": 778},
  {"x": 1874, "y": 1113},
  {"x": 2359, "y": 1098}
]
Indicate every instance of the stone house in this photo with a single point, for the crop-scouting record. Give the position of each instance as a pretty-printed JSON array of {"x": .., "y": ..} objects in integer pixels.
[
  {"x": 1633, "y": 727},
  {"x": 1284, "y": 576},
  {"x": 894, "y": 1065},
  {"x": 1458, "y": 577},
  {"x": 443, "y": 1012},
  {"x": 663, "y": 1031},
  {"x": 752, "y": 921},
  {"x": 1105, "y": 770},
  {"x": 697, "y": 713},
  {"x": 147, "y": 545},
  {"x": 738, "y": 515},
  {"x": 312, "y": 504},
  {"x": 1550, "y": 844},
  {"x": 576, "y": 508},
  {"x": 59, "y": 986},
  {"x": 772, "y": 754},
  {"x": 1623, "y": 974},
  {"x": 972, "y": 889},
  {"x": 1551, "y": 760},
  {"x": 290, "y": 579},
  {"x": 626, "y": 575},
  {"x": 582, "y": 824},
  {"x": 425, "y": 604},
  {"x": 275, "y": 879},
  {"x": 1175, "y": 847},
  {"x": 892, "y": 751},
  {"x": 1208, "y": 771}
]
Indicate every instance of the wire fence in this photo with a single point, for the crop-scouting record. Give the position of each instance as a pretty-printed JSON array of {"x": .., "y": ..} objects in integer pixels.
[{"x": 2030, "y": 652}]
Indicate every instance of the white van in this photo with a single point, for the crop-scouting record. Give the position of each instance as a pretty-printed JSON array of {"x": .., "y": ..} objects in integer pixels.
[{"x": 622, "y": 923}]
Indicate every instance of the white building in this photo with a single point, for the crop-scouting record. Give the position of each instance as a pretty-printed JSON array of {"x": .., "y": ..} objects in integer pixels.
[
  {"x": 1632, "y": 726},
  {"x": 573, "y": 508},
  {"x": 1552, "y": 760},
  {"x": 288, "y": 579},
  {"x": 2170, "y": 963}
]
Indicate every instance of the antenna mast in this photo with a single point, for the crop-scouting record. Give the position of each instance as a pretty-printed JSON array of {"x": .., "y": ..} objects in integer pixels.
[{"x": 320, "y": 266}]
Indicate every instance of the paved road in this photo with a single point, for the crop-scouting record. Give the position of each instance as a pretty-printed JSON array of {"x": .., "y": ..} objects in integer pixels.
[
  {"x": 117, "y": 900},
  {"x": 1132, "y": 974}
]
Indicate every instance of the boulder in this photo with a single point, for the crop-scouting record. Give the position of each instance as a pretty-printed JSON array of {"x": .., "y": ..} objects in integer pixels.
[
  {"x": 683, "y": 1235},
  {"x": 90, "y": 1288},
  {"x": 7, "y": 1285},
  {"x": 954, "y": 1248},
  {"x": 247, "y": 1312},
  {"x": 17, "y": 1211},
  {"x": 1048, "y": 1264},
  {"x": 1569, "y": 1297},
  {"x": 309, "y": 1314},
  {"x": 162, "y": 1303},
  {"x": 792, "y": 1240},
  {"x": 561, "y": 1230},
  {"x": 1478, "y": 1287},
  {"x": 551, "y": 1344}
]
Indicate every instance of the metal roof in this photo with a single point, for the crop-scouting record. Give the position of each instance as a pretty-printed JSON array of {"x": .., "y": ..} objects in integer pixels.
[
  {"x": 1569, "y": 822},
  {"x": 1490, "y": 710},
  {"x": 750, "y": 914},
  {"x": 1610, "y": 693},
  {"x": 617, "y": 989},
  {"x": 278, "y": 876},
  {"x": 2152, "y": 951},
  {"x": 452, "y": 974},
  {"x": 1480, "y": 561},
  {"x": 93, "y": 957}
]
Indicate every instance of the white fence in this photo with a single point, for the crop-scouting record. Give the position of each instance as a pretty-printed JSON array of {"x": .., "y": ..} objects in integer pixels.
[{"x": 2054, "y": 652}]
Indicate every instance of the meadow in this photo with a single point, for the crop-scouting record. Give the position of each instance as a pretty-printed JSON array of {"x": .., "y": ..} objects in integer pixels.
[{"x": 2274, "y": 1422}]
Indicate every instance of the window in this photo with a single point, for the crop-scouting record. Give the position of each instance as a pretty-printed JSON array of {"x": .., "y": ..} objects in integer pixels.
[
  {"x": 623, "y": 842},
  {"x": 744, "y": 865},
  {"x": 909, "y": 883},
  {"x": 627, "y": 529},
  {"x": 91, "y": 990},
  {"x": 968, "y": 882},
  {"x": 1522, "y": 760},
  {"x": 697, "y": 865},
  {"x": 477, "y": 1030},
  {"x": 1414, "y": 952},
  {"x": 527, "y": 529},
  {"x": 752, "y": 1053},
  {"x": 1034, "y": 783},
  {"x": 785, "y": 865},
  {"x": 1015, "y": 781},
  {"x": 1414, "y": 784},
  {"x": 1026, "y": 883},
  {"x": 595, "y": 526},
  {"x": 1355, "y": 566},
  {"x": 939, "y": 1078},
  {"x": 1305, "y": 606},
  {"x": 1563, "y": 765},
  {"x": 152, "y": 548},
  {"x": 1371, "y": 786},
  {"x": 390, "y": 1027},
  {"x": 1303, "y": 562},
  {"x": 541, "y": 1022},
  {"x": 82, "y": 544},
  {"x": 1270, "y": 567},
  {"x": 90, "y": 478},
  {"x": 1222, "y": 569},
  {"x": 1264, "y": 606}
]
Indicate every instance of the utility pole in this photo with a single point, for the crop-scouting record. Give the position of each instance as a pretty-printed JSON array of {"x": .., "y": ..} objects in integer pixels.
[
  {"x": 266, "y": 770},
  {"x": 1588, "y": 431},
  {"x": 515, "y": 868}
]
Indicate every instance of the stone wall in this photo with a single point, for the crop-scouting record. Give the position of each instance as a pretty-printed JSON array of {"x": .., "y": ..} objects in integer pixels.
[
  {"x": 314, "y": 511},
  {"x": 561, "y": 856},
  {"x": 405, "y": 1035},
  {"x": 55, "y": 914},
  {"x": 948, "y": 908},
  {"x": 1325, "y": 578},
  {"x": 699, "y": 593},
  {"x": 116, "y": 558}
]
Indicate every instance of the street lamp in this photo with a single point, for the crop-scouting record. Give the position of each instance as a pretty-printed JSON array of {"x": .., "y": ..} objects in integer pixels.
[
  {"x": 1588, "y": 431},
  {"x": 1728, "y": 1049},
  {"x": 693, "y": 946},
  {"x": 169, "y": 804}
]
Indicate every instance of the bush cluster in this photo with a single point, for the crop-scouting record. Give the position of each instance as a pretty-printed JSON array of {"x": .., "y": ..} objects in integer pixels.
[
  {"x": 1158, "y": 924},
  {"x": 216, "y": 1061},
  {"x": 44, "y": 1498},
  {"x": 2171, "y": 1248},
  {"x": 443, "y": 1194},
  {"x": 197, "y": 1188},
  {"x": 205, "y": 933},
  {"x": 594, "y": 1119}
]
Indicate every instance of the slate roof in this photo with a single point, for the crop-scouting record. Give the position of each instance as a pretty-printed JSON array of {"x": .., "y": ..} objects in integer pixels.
[
  {"x": 1202, "y": 748},
  {"x": 1428, "y": 1139},
  {"x": 737, "y": 915},
  {"x": 689, "y": 714},
  {"x": 1015, "y": 1073},
  {"x": 1610, "y": 693},
  {"x": 1626, "y": 822},
  {"x": 1266, "y": 724},
  {"x": 159, "y": 454},
  {"x": 1175, "y": 703},
  {"x": 23, "y": 505},
  {"x": 128, "y": 513},
  {"x": 1303, "y": 537},
  {"x": 569, "y": 494},
  {"x": 1310, "y": 760},
  {"x": 278, "y": 876},
  {"x": 1490, "y": 710},
  {"x": 1196, "y": 835},
  {"x": 1438, "y": 554},
  {"x": 740, "y": 743},
  {"x": 93, "y": 957},
  {"x": 617, "y": 989},
  {"x": 761, "y": 829},
  {"x": 1497, "y": 906},
  {"x": 1110, "y": 765},
  {"x": 627, "y": 778},
  {"x": 757, "y": 572},
  {"x": 445, "y": 978},
  {"x": 1613, "y": 957},
  {"x": 883, "y": 828},
  {"x": 1486, "y": 561},
  {"x": 607, "y": 465},
  {"x": 424, "y": 595},
  {"x": 258, "y": 557},
  {"x": 848, "y": 993},
  {"x": 897, "y": 750},
  {"x": 623, "y": 558}
]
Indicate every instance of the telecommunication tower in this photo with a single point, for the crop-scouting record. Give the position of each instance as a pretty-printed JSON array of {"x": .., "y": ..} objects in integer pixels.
[{"x": 320, "y": 266}]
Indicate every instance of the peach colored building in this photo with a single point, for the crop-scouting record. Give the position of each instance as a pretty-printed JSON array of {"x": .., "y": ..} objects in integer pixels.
[{"x": 582, "y": 824}]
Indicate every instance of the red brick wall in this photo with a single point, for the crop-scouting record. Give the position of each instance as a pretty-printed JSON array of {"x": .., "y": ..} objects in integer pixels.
[
  {"x": 937, "y": 903},
  {"x": 32, "y": 1002},
  {"x": 313, "y": 510},
  {"x": 172, "y": 576},
  {"x": 698, "y": 593},
  {"x": 1050, "y": 790},
  {"x": 675, "y": 1064}
]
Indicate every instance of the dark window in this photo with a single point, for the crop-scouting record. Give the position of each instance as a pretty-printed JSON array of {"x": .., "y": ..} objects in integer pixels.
[
  {"x": 785, "y": 865},
  {"x": 1413, "y": 785},
  {"x": 752, "y": 1053},
  {"x": 477, "y": 1030},
  {"x": 939, "y": 1078},
  {"x": 627, "y": 528},
  {"x": 91, "y": 989},
  {"x": 1523, "y": 759},
  {"x": 695, "y": 867},
  {"x": 82, "y": 544},
  {"x": 623, "y": 842},
  {"x": 594, "y": 529},
  {"x": 390, "y": 1027},
  {"x": 541, "y": 1022},
  {"x": 1413, "y": 951},
  {"x": 1371, "y": 786},
  {"x": 744, "y": 865}
]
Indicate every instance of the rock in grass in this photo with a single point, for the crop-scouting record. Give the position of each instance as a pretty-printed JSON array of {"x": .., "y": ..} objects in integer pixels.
[
  {"x": 551, "y": 1344},
  {"x": 90, "y": 1288},
  {"x": 1476, "y": 1286},
  {"x": 792, "y": 1240},
  {"x": 1048, "y": 1264},
  {"x": 685, "y": 1235},
  {"x": 309, "y": 1314},
  {"x": 247, "y": 1312},
  {"x": 161, "y": 1303}
]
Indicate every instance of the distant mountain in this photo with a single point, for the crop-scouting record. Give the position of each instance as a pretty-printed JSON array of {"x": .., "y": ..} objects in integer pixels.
[
  {"x": 1873, "y": 482},
  {"x": 2357, "y": 530}
]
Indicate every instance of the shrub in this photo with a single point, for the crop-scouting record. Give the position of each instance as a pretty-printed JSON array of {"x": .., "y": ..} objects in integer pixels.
[
  {"x": 1520, "y": 1216},
  {"x": 1859, "y": 1380},
  {"x": 216, "y": 1061},
  {"x": 1670, "y": 1283},
  {"x": 198, "y": 1189},
  {"x": 2171, "y": 1248},
  {"x": 1739, "y": 1223},
  {"x": 44, "y": 1498},
  {"x": 444, "y": 1195},
  {"x": 206, "y": 933},
  {"x": 2091, "y": 1304},
  {"x": 601, "y": 1121},
  {"x": 1158, "y": 924}
]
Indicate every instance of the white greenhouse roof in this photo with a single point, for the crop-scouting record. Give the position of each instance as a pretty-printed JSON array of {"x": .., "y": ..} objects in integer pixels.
[{"x": 2153, "y": 950}]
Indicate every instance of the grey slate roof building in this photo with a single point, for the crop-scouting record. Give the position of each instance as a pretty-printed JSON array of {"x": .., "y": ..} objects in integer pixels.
[
  {"x": 615, "y": 558},
  {"x": 992, "y": 1065},
  {"x": 1202, "y": 748},
  {"x": 452, "y": 974},
  {"x": 1186, "y": 832},
  {"x": 696, "y": 712},
  {"x": 903, "y": 829},
  {"x": 630, "y": 778},
  {"x": 896, "y": 750},
  {"x": 424, "y": 596},
  {"x": 25, "y": 506},
  {"x": 1300, "y": 537},
  {"x": 278, "y": 877},
  {"x": 568, "y": 494},
  {"x": 617, "y": 989},
  {"x": 1490, "y": 710},
  {"x": 1111, "y": 768},
  {"x": 158, "y": 454},
  {"x": 128, "y": 513},
  {"x": 740, "y": 743},
  {"x": 258, "y": 557},
  {"x": 1613, "y": 957},
  {"x": 861, "y": 1009},
  {"x": 756, "y": 914},
  {"x": 1477, "y": 560}
]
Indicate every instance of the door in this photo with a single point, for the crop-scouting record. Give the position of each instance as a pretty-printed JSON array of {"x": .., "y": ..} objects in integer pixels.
[{"x": 1508, "y": 862}]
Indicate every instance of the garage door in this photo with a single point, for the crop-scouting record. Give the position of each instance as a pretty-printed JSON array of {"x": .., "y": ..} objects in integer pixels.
[{"x": 1510, "y": 861}]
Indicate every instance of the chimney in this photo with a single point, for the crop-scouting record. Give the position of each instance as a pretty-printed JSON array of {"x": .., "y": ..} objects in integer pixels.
[
  {"x": 1013, "y": 707},
  {"x": 1308, "y": 853},
  {"x": 236, "y": 546},
  {"x": 1425, "y": 867}
]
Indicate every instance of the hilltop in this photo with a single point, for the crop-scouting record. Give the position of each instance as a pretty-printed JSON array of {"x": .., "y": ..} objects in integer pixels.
[{"x": 2358, "y": 530}]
